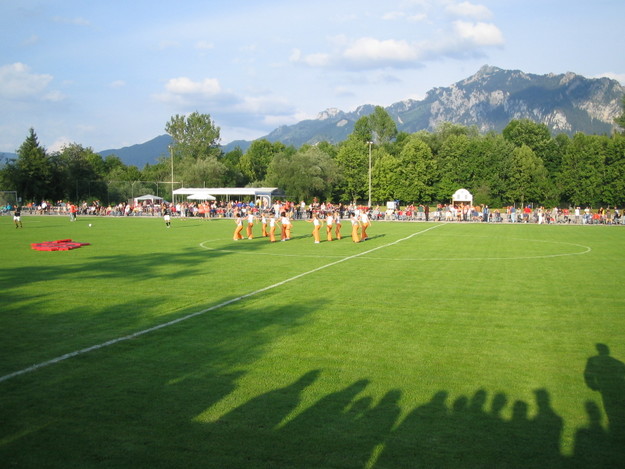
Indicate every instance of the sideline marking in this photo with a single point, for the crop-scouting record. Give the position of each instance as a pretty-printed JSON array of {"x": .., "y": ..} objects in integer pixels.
[{"x": 198, "y": 313}]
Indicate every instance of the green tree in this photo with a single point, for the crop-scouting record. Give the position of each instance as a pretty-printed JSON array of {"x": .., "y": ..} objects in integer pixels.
[
  {"x": 81, "y": 173},
  {"x": 305, "y": 174},
  {"x": 583, "y": 170},
  {"x": 417, "y": 171},
  {"x": 33, "y": 170},
  {"x": 195, "y": 136},
  {"x": 353, "y": 161},
  {"x": 203, "y": 172},
  {"x": 386, "y": 179},
  {"x": 454, "y": 165},
  {"x": 254, "y": 163},
  {"x": 613, "y": 186},
  {"x": 620, "y": 120},
  {"x": 382, "y": 125},
  {"x": 234, "y": 177},
  {"x": 527, "y": 181}
]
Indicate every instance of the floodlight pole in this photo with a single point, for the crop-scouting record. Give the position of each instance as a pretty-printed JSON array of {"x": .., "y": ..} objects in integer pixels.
[
  {"x": 171, "y": 153},
  {"x": 370, "y": 144}
]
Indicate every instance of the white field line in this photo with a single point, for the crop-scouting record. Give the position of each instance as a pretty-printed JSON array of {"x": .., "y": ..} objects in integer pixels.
[{"x": 198, "y": 313}]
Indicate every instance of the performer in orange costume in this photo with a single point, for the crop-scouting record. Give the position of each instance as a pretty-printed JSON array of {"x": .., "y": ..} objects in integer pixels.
[
  {"x": 329, "y": 223},
  {"x": 272, "y": 228},
  {"x": 286, "y": 225},
  {"x": 284, "y": 221},
  {"x": 237, "y": 231},
  {"x": 364, "y": 223},
  {"x": 250, "y": 224},
  {"x": 263, "y": 220},
  {"x": 337, "y": 224},
  {"x": 316, "y": 227},
  {"x": 355, "y": 227}
]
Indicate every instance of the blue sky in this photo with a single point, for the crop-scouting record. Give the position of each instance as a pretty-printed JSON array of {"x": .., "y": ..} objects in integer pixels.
[{"x": 108, "y": 74}]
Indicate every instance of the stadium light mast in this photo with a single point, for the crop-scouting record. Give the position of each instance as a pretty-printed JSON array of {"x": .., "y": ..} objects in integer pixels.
[
  {"x": 171, "y": 154},
  {"x": 370, "y": 143}
]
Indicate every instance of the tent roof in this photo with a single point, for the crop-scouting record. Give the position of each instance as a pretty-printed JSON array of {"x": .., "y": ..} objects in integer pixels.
[
  {"x": 462, "y": 195},
  {"x": 149, "y": 197},
  {"x": 255, "y": 191},
  {"x": 201, "y": 196}
]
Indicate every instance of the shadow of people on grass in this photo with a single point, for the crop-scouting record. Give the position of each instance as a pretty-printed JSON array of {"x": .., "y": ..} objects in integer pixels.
[
  {"x": 290, "y": 427},
  {"x": 467, "y": 435},
  {"x": 592, "y": 446},
  {"x": 606, "y": 374}
]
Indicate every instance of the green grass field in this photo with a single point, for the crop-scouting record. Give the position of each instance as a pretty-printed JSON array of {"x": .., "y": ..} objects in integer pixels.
[{"x": 430, "y": 345}]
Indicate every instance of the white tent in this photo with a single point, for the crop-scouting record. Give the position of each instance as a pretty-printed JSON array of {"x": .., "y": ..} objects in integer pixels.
[
  {"x": 462, "y": 196},
  {"x": 265, "y": 193},
  {"x": 200, "y": 196},
  {"x": 148, "y": 197}
]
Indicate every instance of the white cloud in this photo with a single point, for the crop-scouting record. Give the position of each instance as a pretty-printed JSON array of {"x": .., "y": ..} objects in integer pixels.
[
  {"x": 393, "y": 15},
  {"x": 367, "y": 50},
  {"x": 204, "y": 45},
  {"x": 417, "y": 18},
  {"x": 312, "y": 60},
  {"x": 620, "y": 77},
  {"x": 469, "y": 10},
  {"x": 18, "y": 82},
  {"x": 117, "y": 84},
  {"x": 186, "y": 86},
  {"x": 480, "y": 34},
  {"x": 30, "y": 41},
  {"x": 54, "y": 96},
  {"x": 59, "y": 144},
  {"x": 401, "y": 15},
  {"x": 73, "y": 21}
]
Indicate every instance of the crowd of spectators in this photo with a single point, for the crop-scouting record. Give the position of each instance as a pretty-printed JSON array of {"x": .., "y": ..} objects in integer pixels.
[{"x": 304, "y": 211}]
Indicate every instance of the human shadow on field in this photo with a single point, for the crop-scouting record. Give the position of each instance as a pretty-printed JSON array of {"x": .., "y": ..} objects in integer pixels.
[
  {"x": 469, "y": 435},
  {"x": 369, "y": 238},
  {"x": 592, "y": 448},
  {"x": 606, "y": 375},
  {"x": 135, "y": 403},
  {"x": 348, "y": 429}
]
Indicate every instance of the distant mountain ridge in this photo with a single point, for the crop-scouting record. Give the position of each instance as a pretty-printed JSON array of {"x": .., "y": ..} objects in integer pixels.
[
  {"x": 142, "y": 153},
  {"x": 489, "y": 99}
]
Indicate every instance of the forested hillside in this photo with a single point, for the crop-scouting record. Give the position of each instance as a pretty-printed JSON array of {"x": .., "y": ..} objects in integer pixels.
[{"x": 523, "y": 164}]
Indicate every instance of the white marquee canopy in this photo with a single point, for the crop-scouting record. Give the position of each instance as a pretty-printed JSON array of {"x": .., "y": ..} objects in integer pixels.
[
  {"x": 462, "y": 195},
  {"x": 210, "y": 193}
]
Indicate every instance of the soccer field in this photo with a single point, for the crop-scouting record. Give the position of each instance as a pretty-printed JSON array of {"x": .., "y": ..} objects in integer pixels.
[{"x": 429, "y": 345}]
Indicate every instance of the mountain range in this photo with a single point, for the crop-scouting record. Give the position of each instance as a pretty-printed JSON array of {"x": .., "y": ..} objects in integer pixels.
[{"x": 489, "y": 99}]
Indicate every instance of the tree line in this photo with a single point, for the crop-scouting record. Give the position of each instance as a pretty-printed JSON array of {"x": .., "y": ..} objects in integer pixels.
[{"x": 524, "y": 164}]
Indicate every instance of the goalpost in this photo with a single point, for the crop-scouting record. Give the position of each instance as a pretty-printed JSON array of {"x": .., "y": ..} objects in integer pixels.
[{"x": 7, "y": 199}]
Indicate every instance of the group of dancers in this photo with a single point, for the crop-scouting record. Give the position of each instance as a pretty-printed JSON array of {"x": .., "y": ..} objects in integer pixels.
[{"x": 359, "y": 220}]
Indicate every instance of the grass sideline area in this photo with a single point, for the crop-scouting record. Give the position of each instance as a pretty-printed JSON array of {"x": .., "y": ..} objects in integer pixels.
[{"x": 429, "y": 345}]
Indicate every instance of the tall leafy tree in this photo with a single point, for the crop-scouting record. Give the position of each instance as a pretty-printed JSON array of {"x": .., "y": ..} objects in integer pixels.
[
  {"x": 353, "y": 160},
  {"x": 234, "y": 177},
  {"x": 537, "y": 137},
  {"x": 454, "y": 165},
  {"x": 307, "y": 173},
  {"x": 203, "y": 172},
  {"x": 583, "y": 169},
  {"x": 527, "y": 181},
  {"x": 417, "y": 171},
  {"x": 613, "y": 186},
  {"x": 33, "y": 171},
  {"x": 620, "y": 120},
  {"x": 382, "y": 125},
  {"x": 386, "y": 180},
  {"x": 195, "y": 136},
  {"x": 82, "y": 173},
  {"x": 254, "y": 163}
]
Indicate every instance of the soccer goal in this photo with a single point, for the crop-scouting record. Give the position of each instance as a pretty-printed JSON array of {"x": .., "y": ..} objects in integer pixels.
[{"x": 8, "y": 200}]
